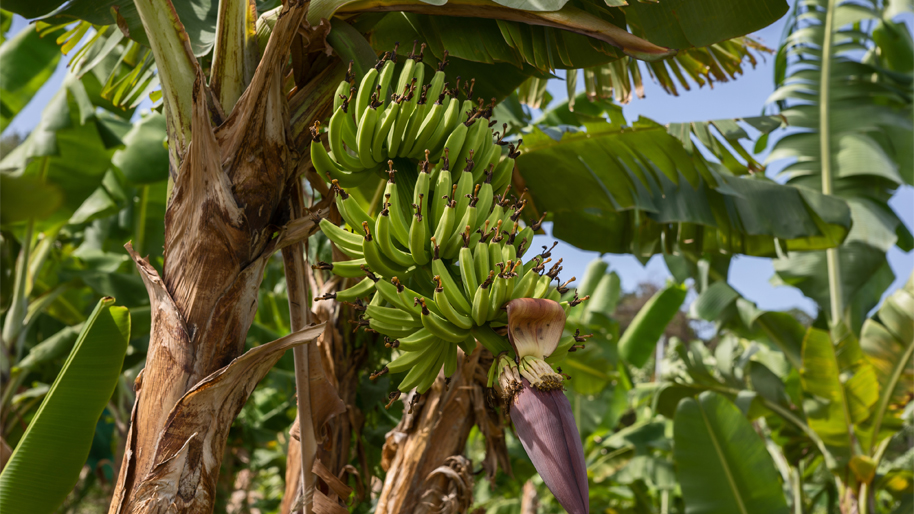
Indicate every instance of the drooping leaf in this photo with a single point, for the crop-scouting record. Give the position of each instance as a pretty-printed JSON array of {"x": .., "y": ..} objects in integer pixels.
[
  {"x": 45, "y": 464},
  {"x": 640, "y": 185},
  {"x": 721, "y": 463}
]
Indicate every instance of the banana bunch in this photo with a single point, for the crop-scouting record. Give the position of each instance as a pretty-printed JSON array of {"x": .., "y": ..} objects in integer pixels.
[
  {"x": 382, "y": 119},
  {"x": 442, "y": 283},
  {"x": 444, "y": 251}
]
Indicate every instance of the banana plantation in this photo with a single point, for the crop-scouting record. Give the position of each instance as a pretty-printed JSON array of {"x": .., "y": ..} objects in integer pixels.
[{"x": 315, "y": 256}]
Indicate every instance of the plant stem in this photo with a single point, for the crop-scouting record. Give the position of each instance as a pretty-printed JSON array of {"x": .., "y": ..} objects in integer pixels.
[
  {"x": 831, "y": 255},
  {"x": 300, "y": 317},
  {"x": 12, "y": 326}
]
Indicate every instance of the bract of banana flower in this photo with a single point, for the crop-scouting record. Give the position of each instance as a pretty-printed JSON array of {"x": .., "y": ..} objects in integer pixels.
[{"x": 538, "y": 407}]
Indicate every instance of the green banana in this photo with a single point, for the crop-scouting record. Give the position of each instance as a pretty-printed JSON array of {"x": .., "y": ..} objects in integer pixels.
[
  {"x": 340, "y": 123},
  {"x": 433, "y": 119},
  {"x": 386, "y": 75},
  {"x": 449, "y": 121},
  {"x": 410, "y": 360},
  {"x": 452, "y": 290},
  {"x": 494, "y": 342},
  {"x": 395, "y": 331},
  {"x": 366, "y": 90},
  {"x": 445, "y": 223},
  {"x": 347, "y": 242},
  {"x": 376, "y": 260},
  {"x": 325, "y": 166},
  {"x": 384, "y": 235},
  {"x": 480, "y": 309},
  {"x": 442, "y": 327},
  {"x": 393, "y": 316},
  {"x": 444, "y": 304},
  {"x": 348, "y": 269},
  {"x": 395, "y": 135},
  {"x": 417, "y": 340},
  {"x": 382, "y": 128},
  {"x": 342, "y": 91},
  {"x": 468, "y": 271},
  {"x": 432, "y": 373},
  {"x": 481, "y": 260},
  {"x": 418, "y": 232},
  {"x": 450, "y": 360},
  {"x": 350, "y": 209},
  {"x": 501, "y": 176},
  {"x": 365, "y": 135},
  {"x": 362, "y": 289}
]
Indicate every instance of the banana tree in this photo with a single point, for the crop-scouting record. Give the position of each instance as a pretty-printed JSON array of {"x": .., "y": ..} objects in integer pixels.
[{"x": 238, "y": 96}]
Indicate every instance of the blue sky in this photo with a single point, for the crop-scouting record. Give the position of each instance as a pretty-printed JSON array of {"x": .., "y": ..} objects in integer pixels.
[{"x": 743, "y": 97}]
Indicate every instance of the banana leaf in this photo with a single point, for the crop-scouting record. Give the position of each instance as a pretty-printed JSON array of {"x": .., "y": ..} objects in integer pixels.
[{"x": 46, "y": 463}]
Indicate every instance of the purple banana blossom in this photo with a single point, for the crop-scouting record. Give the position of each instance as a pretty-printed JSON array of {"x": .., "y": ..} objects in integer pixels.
[
  {"x": 547, "y": 430},
  {"x": 539, "y": 409}
]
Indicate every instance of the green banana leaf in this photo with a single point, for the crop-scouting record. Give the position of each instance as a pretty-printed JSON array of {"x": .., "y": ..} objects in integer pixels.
[
  {"x": 722, "y": 464},
  {"x": 45, "y": 465},
  {"x": 644, "y": 190},
  {"x": 841, "y": 388},
  {"x": 27, "y": 61},
  {"x": 639, "y": 339},
  {"x": 867, "y": 140},
  {"x": 887, "y": 339}
]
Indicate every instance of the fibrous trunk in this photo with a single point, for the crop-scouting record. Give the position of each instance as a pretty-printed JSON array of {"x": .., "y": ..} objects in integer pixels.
[
  {"x": 422, "y": 455},
  {"x": 230, "y": 198}
]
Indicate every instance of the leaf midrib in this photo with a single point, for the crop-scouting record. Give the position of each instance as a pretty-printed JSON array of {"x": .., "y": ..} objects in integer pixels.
[{"x": 723, "y": 461}]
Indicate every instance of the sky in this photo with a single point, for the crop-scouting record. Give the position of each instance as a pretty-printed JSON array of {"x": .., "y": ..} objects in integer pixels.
[{"x": 742, "y": 97}]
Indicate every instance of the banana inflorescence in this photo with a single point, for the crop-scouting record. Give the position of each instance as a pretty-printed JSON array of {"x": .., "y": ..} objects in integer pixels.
[{"x": 444, "y": 252}]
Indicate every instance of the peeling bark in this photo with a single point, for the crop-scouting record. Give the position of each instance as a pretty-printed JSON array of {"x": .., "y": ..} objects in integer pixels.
[
  {"x": 436, "y": 430},
  {"x": 342, "y": 363},
  {"x": 228, "y": 202}
]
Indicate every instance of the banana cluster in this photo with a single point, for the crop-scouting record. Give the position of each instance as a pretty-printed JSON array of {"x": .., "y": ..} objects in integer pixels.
[
  {"x": 445, "y": 251},
  {"x": 368, "y": 127}
]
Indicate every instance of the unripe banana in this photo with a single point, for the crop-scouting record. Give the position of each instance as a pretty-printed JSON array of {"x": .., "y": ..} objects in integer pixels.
[
  {"x": 417, "y": 340},
  {"x": 409, "y": 360},
  {"x": 452, "y": 291},
  {"x": 347, "y": 242},
  {"x": 442, "y": 327},
  {"x": 468, "y": 271},
  {"x": 377, "y": 261},
  {"x": 382, "y": 128},
  {"x": 349, "y": 208},
  {"x": 447, "y": 310},
  {"x": 384, "y": 236},
  {"x": 340, "y": 123},
  {"x": 361, "y": 290},
  {"x": 386, "y": 75},
  {"x": 325, "y": 166},
  {"x": 365, "y": 135},
  {"x": 366, "y": 90}
]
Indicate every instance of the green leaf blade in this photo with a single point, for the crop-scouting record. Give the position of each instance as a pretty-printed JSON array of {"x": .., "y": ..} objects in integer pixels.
[
  {"x": 721, "y": 463},
  {"x": 45, "y": 464},
  {"x": 638, "y": 341}
]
